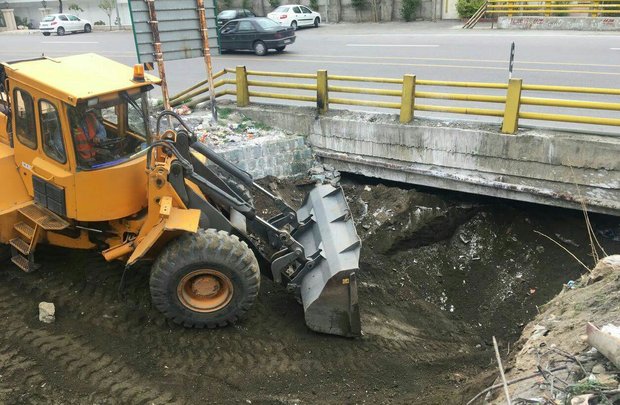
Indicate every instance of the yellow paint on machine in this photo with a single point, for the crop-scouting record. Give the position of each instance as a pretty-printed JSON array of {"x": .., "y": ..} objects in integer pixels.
[{"x": 78, "y": 77}]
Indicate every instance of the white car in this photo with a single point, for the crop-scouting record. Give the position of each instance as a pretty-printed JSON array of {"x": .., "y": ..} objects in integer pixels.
[
  {"x": 63, "y": 23},
  {"x": 295, "y": 15}
]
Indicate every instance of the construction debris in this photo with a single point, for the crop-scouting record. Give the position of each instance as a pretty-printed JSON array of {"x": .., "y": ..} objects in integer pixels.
[
  {"x": 606, "y": 341},
  {"x": 556, "y": 362},
  {"x": 47, "y": 312}
]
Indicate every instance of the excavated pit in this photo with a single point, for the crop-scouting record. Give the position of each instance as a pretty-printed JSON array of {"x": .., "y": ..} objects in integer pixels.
[{"x": 441, "y": 273}]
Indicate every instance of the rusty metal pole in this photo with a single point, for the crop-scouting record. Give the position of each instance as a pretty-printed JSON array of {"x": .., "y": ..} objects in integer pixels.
[
  {"x": 202, "y": 16},
  {"x": 159, "y": 56}
]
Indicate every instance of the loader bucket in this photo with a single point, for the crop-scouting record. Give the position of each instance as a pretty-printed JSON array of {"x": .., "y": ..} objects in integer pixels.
[{"x": 329, "y": 290}]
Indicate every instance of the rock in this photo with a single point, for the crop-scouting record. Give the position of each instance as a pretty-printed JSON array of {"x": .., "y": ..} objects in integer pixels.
[
  {"x": 235, "y": 117},
  {"x": 605, "y": 267},
  {"x": 319, "y": 178},
  {"x": 316, "y": 170},
  {"x": 329, "y": 168},
  {"x": 582, "y": 399},
  {"x": 335, "y": 182},
  {"x": 273, "y": 186},
  {"x": 47, "y": 312}
]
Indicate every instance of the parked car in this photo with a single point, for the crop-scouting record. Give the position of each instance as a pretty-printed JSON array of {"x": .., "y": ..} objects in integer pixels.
[
  {"x": 257, "y": 33},
  {"x": 227, "y": 15},
  {"x": 63, "y": 23},
  {"x": 295, "y": 15}
]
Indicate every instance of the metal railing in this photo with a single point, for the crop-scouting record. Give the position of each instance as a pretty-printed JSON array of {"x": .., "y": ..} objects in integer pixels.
[
  {"x": 508, "y": 101},
  {"x": 559, "y": 8}
]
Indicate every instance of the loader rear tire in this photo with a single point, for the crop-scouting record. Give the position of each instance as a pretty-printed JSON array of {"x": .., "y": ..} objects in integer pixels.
[{"x": 207, "y": 279}]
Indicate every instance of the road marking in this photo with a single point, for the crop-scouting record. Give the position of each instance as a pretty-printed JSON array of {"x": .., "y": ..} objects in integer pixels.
[
  {"x": 501, "y": 61},
  {"x": 428, "y": 65},
  {"x": 510, "y": 34},
  {"x": 400, "y": 46},
  {"x": 68, "y": 42}
]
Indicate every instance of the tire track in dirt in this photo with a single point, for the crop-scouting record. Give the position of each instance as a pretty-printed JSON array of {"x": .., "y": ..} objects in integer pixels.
[
  {"x": 267, "y": 342},
  {"x": 74, "y": 354}
]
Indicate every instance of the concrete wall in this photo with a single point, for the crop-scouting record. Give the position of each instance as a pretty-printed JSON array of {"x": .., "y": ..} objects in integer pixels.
[
  {"x": 554, "y": 168},
  {"x": 283, "y": 157},
  {"x": 560, "y": 23},
  {"x": 92, "y": 12}
]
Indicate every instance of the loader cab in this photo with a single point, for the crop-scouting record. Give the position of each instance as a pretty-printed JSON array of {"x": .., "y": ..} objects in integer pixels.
[{"x": 79, "y": 130}]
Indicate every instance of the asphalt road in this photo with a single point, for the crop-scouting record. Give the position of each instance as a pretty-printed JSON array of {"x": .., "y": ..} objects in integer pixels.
[{"x": 434, "y": 51}]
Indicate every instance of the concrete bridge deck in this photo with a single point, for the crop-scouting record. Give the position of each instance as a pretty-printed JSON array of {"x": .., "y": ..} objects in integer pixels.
[{"x": 540, "y": 166}]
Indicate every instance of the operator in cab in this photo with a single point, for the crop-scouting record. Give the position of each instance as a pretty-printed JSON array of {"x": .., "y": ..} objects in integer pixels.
[{"x": 88, "y": 132}]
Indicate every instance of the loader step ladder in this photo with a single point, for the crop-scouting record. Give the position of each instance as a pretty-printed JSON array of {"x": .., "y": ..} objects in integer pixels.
[
  {"x": 34, "y": 219},
  {"x": 471, "y": 23}
]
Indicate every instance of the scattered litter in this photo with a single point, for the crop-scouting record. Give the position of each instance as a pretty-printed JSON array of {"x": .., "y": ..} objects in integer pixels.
[{"x": 183, "y": 110}]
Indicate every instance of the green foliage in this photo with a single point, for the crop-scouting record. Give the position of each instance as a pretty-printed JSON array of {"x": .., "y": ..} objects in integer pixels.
[
  {"x": 314, "y": 5},
  {"x": 21, "y": 21},
  {"x": 408, "y": 9},
  {"x": 614, "y": 2},
  {"x": 224, "y": 112},
  {"x": 247, "y": 4},
  {"x": 107, "y": 6},
  {"x": 467, "y": 8},
  {"x": 225, "y": 4},
  {"x": 359, "y": 5},
  {"x": 99, "y": 22},
  {"x": 274, "y": 3},
  {"x": 76, "y": 8}
]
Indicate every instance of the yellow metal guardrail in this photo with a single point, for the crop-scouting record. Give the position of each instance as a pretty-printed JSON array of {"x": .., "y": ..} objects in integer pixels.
[
  {"x": 326, "y": 89},
  {"x": 592, "y": 8}
]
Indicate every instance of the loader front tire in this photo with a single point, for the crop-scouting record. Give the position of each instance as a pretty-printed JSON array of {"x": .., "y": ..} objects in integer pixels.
[{"x": 207, "y": 279}]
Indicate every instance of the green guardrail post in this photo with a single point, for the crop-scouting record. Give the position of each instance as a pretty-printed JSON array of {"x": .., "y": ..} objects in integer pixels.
[
  {"x": 408, "y": 99},
  {"x": 322, "y": 91},
  {"x": 513, "y": 103},
  {"x": 243, "y": 93}
]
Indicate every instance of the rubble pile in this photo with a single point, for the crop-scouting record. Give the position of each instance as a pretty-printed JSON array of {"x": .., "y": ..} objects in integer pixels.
[
  {"x": 230, "y": 128},
  {"x": 564, "y": 357}
]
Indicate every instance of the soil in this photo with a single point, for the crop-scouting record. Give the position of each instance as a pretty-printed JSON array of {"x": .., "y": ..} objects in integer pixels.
[{"x": 441, "y": 273}]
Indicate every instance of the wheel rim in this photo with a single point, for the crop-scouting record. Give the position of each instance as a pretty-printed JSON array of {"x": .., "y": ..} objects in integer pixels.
[
  {"x": 260, "y": 48},
  {"x": 294, "y": 25},
  {"x": 61, "y": 31},
  {"x": 205, "y": 290}
]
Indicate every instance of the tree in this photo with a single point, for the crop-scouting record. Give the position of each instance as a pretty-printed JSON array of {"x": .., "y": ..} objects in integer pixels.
[
  {"x": 75, "y": 8},
  {"x": 359, "y": 5},
  {"x": 60, "y": 6},
  {"x": 408, "y": 9},
  {"x": 107, "y": 6}
]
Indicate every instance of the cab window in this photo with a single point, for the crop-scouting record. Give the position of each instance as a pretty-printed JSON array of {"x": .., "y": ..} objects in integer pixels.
[
  {"x": 73, "y": 18},
  {"x": 107, "y": 131},
  {"x": 24, "y": 119},
  {"x": 51, "y": 132},
  {"x": 63, "y": 18},
  {"x": 306, "y": 10},
  {"x": 296, "y": 10}
]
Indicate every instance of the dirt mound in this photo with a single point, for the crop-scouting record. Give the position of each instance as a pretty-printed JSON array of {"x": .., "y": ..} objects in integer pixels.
[
  {"x": 554, "y": 340},
  {"x": 441, "y": 274}
]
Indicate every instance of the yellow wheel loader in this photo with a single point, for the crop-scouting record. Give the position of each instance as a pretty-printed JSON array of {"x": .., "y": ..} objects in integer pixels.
[{"x": 83, "y": 166}]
